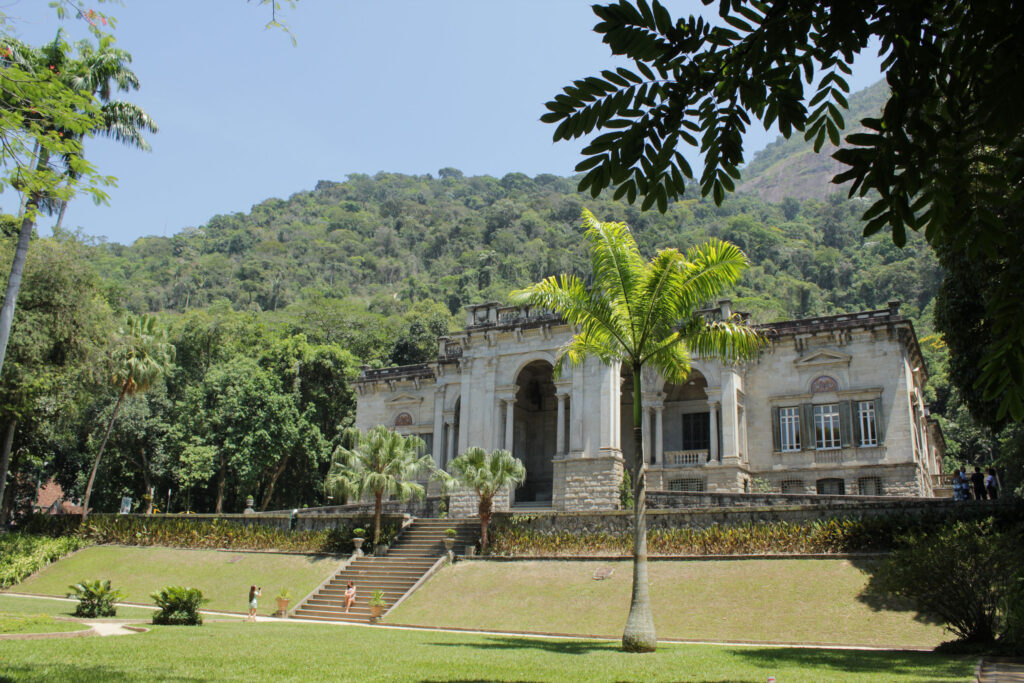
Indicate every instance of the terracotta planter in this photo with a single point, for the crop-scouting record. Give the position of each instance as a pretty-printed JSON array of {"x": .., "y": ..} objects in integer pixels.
[
  {"x": 282, "y": 607},
  {"x": 376, "y": 611}
]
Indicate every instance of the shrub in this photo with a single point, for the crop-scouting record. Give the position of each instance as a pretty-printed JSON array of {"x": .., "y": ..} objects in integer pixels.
[
  {"x": 95, "y": 598},
  {"x": 178, "y": 606},
  {"x": 964, "y": 574},
  {"x": 626, "y": 491},
  {"x": 22, "y": 554}
]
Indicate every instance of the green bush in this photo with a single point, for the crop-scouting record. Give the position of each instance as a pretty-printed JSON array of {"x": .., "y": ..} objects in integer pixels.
[
  {"x": 22, "y": 554},
  {"x": 178, "y": 606},
  {"x": 965, "y": 574},
  {"x": 95, "y": 599}
]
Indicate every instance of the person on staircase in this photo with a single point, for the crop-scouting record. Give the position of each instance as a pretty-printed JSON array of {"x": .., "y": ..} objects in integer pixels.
[{"x": 350, "y": 596}]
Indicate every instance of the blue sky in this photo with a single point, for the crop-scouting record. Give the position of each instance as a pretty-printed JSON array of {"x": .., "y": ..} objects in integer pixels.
[{"x": 407, "y": 86}]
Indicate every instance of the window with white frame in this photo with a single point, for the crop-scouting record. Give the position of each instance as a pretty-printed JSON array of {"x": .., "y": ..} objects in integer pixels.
[
  {"x": 866, "y": 421},
  {"x": 789, "y": 428},
  {"x": 826, "y": 427}
]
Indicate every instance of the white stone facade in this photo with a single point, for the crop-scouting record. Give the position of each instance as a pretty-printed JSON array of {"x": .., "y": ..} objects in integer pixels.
[{"x": 833, "y": 405}]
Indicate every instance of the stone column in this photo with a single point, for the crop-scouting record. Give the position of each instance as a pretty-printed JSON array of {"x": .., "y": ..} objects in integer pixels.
[
  {"x": 438, "y": 445},
  {"x": 714, "y": 395},
  {"x": 659, "y": 441},
  {"x": 730, "y": 446},
  {"x": 449, "y": 446},
  {"x": 510, "y": 407},
  {"x": 560, "y": 427},
  {"x": 643, "y": 457}
]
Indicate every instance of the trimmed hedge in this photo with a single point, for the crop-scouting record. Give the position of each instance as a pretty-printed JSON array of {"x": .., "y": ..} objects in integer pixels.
[
  {"x": 516, "y": 536},
  {"x": 194, "y": 533},
  {"x": 22, "y": 554}
]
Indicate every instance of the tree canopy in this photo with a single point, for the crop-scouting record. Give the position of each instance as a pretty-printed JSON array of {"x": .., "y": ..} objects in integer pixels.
[{"x": 946, "y": 155}]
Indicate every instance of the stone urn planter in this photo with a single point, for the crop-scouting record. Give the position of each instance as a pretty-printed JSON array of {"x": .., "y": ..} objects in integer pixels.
[
  {"x": 283, "y": 598},
  {"x": 377, "y": 606},
  {"x": 358, "y": 537},
  {"x": 449, "y": 538}
]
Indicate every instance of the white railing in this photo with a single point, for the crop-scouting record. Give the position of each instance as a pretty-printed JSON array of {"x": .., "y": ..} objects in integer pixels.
[{"x": 685, "y": 458}]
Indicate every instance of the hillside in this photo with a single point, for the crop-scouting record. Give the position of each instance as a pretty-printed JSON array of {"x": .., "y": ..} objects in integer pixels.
[{"x": 791, "y": 168}]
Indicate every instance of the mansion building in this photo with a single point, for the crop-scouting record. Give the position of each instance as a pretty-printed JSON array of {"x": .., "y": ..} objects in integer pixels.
[{"x": 832, "y": 405}]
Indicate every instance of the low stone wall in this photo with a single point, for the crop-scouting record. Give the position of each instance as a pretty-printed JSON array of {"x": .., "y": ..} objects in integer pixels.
[
  {"x": 674, "y": 500},
  {"x": 622, "y": 521},
  {"x": 305, "y": 520},
  {"x": 429, "y": 506}
]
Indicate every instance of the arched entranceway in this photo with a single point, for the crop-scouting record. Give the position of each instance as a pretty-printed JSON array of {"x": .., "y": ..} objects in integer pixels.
[
  {"x": 535, "y": 423},
  {"x": 686, "y": 436}
]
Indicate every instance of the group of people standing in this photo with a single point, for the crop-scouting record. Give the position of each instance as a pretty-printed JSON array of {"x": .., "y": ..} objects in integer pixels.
[{"x": 976, "y": 486}]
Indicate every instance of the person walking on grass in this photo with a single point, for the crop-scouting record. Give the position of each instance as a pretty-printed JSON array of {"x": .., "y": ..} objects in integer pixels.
[
  {"x": 350, "y": 596},
  {"x": 992, "y": 484},
  {"x": 254, "y": 592}
]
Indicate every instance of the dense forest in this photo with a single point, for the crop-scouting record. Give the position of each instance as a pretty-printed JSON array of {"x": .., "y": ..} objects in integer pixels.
[{"x": 272, "y": 313}]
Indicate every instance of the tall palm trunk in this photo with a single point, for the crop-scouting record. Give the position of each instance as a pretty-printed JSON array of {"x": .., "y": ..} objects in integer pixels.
[
  {"x": 60, "y": 216},
  {"x": 377, "y": 507},
  {"x": 486, "y": 503},
  {"x": 5, "y": 461},
  {"x": 222, "y": 477},
  {"x": 639, "y": 634},
  {"x": 99, "y": 454}
]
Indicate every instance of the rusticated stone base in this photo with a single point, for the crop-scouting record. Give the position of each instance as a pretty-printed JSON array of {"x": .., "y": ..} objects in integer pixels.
[
  {"x": 587, "y": 483},
  {"x": 466, "y": 503}
]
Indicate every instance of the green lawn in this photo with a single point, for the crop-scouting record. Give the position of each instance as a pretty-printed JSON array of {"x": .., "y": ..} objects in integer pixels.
[
  {"x": 35, "y": 623},
  {"x": 224, "y": 577},
  {"x": 13, "y": 604},
  {"x": 313, "y": 652},
  {"x": 782, "y": 601}
]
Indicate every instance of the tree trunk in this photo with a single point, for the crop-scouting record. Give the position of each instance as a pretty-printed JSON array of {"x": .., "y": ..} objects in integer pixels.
[
  {"x": 639, "y": 634},
  {"x": 278, "y": 471},
  {"x": 146, "y": 483},
  {"x": 99, "y": 454},
  {"x": 5, "y": 461},
  {"x": 486, "y": 503},
  {"x": 7, "y": 506},
  {"x": 222, "y": 476},
  {"x": 60, "y": 216},
  {"x": 14, "y": 281},
  {"x": 377, "y": 506}
]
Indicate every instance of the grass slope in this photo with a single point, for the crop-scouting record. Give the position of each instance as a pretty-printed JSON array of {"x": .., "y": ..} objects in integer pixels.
[
  {"x": 784, "y": 601},
  {"x": 314, "y": 652},
  {"x": 17, "y": 624},
  {"x": 224, "y": 577}
]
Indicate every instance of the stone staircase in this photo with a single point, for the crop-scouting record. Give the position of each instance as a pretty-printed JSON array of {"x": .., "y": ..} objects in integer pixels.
[{"x": 415, "y": 553}]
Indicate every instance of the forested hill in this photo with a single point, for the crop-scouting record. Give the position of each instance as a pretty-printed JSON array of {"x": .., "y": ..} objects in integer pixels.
[
  {"x": 791, "y": 168},
  {"x": 369, "y": 247}
]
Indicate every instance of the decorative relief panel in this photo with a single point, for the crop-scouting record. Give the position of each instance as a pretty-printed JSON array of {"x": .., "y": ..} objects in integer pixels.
[{"x": 824, "y": 384}]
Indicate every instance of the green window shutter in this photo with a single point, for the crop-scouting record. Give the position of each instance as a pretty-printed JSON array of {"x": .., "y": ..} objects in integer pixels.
[
  {"x": 807, "y": 427},
  {"x": 878, "y": 421},
  {"x": 776, "y": 436},
  {"x": 845, "y": 424},
  {"x": 855, "y": 414}
]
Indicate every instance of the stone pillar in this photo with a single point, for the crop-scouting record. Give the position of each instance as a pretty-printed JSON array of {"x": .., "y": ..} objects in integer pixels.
[
  {"x": 659, "y": 441},
  {"x": 713, "y": 427},
  {"x": 449, "y": 446},
  {"x": 647, "y": 435},
  {"x": 438, "y": 446},
  {"x": 510, "y": 408},
  {"x": 560, "y": 427},
  {"x": 609, "y": 407},
  {"x": 730, "y": 446}
]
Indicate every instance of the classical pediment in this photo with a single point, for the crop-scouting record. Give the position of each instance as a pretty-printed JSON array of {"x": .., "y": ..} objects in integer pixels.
[{"x": 824, "y": 358}]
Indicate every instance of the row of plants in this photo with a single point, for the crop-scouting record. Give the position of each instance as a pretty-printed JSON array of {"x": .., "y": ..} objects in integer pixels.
[
  {"x": 518, "y": 535},
  {"x": 178, "y": 605},
  {"x": 22, "y": 554},
  {"x": 198, "y": 534}
]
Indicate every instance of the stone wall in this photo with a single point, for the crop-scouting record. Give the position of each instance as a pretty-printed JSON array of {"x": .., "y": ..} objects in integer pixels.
[
  {"x": 428, "y": 506},
  {"x": 587, "y": 483},
  {"x": 673, "y": 500},
  {"x": 305, "y": 520}
]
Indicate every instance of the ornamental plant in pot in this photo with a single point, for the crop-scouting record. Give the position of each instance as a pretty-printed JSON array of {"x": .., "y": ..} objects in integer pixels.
[
  {"x": 377, "y": 604},
  {"x": 283, "y": 599},
  {"x": 358, "y": 536},
  {"x": 449, "y": 538}
]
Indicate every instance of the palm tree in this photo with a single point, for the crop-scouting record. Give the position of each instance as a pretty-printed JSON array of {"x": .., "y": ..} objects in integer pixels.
[
  {"x": 142, "y": 357},
  {"x": 378, "y": 462},
  {"x": 487, "y": 473},
  {"x": 641, "y": 313}
]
